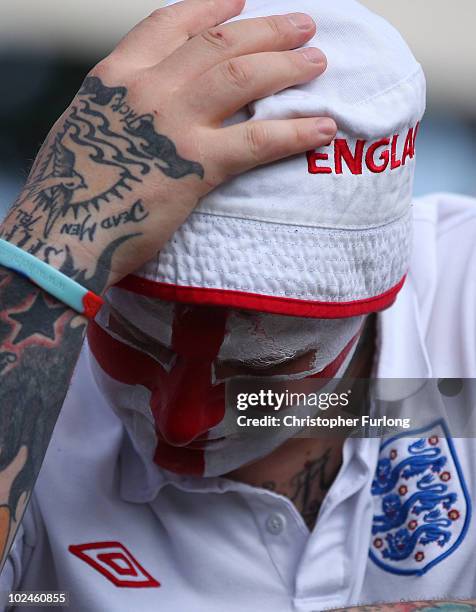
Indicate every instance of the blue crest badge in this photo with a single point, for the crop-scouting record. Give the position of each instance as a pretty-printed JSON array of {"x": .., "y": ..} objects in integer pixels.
[{"x": 422, "y": 507}]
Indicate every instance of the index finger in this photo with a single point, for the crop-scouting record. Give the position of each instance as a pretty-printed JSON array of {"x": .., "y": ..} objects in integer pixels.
[{"x": 168, "y": 28}]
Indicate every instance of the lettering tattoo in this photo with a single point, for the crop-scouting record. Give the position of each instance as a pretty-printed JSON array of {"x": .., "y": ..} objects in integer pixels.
[
  {"x": 82, "y": 189},
  {"x": 86, "y": 230}
]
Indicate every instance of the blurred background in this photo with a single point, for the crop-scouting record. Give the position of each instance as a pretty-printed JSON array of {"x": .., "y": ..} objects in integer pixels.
[{"x": 47, "y": 47}]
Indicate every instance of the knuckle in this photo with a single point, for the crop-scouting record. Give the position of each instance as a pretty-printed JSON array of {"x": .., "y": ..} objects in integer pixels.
[
  {"x": 275, "y": 24},
  {"x": 164, "y": 16},
  {"x": 107, "y": 68},
  {"x": 156, "y": 14},
  {"x": 136, "y": 83},
  {"x": 104, "y": 67},
  {"x": 237, "y": 73},
  {"x": 217, "y": 38},
  {"x": 257, "y": 140}
]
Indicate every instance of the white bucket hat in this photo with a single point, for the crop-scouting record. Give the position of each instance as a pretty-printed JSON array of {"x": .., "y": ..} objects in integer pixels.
[{"x": 327, "y": 234}]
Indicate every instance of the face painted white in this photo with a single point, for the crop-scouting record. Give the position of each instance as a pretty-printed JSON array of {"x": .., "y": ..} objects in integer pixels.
[
  {"x": 263, "y": 340},
  {"x": 256, "y": 339},
  {"x": 235, "y": 446}
]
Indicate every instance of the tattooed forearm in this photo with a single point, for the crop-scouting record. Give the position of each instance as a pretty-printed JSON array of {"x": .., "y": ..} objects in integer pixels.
[
  {"x": 40, "y": 340},
  {"x": 33, "y": 381},
  {"x": 82, "y": 202},
  {"x": 417, "y": 606}
]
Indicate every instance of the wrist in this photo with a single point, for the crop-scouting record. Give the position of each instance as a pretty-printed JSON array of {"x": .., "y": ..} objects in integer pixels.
[
  {"x": 51, "y": 280},
  {"x": 67, "y": 257}
]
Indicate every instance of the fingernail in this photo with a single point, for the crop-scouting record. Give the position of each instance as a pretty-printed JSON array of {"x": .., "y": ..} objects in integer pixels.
[
  {"x": 313, "y": 55},
  {"x": 326, "y": 126},
  {"x": 301, "y": 21}
]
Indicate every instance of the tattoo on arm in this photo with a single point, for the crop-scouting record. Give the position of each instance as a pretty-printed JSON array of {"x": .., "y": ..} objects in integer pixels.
[
  {"x": 103, "y": 149},
  {"x": 40, "y": 339},
  {"x": 82, "y": 189}
]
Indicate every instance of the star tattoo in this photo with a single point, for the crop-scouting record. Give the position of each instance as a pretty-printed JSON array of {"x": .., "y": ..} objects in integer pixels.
[{"x": 39, "y": 318}]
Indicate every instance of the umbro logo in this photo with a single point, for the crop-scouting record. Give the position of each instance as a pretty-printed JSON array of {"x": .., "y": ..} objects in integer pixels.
[{"x": 115, "y": 562}]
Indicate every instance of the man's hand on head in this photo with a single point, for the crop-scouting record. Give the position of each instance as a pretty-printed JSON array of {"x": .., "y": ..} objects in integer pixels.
[
  {"x": 143, "y": 140},
  {"x": 139, "y": 145}
]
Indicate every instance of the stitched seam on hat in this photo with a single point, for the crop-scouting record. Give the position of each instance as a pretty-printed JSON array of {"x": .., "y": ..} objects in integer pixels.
[
  {"x": 274, "y": 279},
  {"x": 261, "y": 261},
  {"x": 305, "y": 227},
  {"x": 339, "y": 239},
  {"x": 211, "y": 247},
  {"x": 302, "y": 229},
  {"x": 291, "y": 294},
  {"x": 362, "y": 266},
  {"x": 315, "y": 244}
]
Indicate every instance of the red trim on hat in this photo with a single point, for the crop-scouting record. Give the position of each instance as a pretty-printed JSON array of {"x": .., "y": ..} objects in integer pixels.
[{"x": 262, "y": 303}]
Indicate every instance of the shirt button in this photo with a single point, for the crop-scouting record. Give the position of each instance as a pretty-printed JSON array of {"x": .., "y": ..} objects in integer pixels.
[{"x": 275, "y": 523}]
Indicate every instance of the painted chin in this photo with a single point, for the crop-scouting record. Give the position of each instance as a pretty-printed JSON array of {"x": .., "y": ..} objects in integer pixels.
[
  {"x": 189, "y": 460},
  {"x": 180, "y": 460}
]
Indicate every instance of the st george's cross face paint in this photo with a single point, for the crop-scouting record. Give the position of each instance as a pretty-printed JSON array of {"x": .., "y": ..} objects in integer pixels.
[{"x": 163, "y": 368}]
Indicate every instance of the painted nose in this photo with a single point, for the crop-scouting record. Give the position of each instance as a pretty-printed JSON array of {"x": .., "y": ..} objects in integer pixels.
[{"x": 188, "y": 406}]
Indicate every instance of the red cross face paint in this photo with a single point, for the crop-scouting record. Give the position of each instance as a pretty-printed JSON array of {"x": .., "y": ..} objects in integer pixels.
[{"x": 163, "y": 368}]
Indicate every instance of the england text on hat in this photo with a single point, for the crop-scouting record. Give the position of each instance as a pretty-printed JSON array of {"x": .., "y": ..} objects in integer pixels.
[{"x": 380, "y": 155}]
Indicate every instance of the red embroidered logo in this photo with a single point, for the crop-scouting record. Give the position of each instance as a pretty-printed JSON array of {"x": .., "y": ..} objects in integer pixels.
[
  {"x": 114, "y": 562},
  {"x": 379, "y": 156}
]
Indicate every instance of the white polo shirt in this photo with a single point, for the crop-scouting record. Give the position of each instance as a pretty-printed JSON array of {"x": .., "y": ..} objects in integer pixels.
[{"x": 120, "y": 534}]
